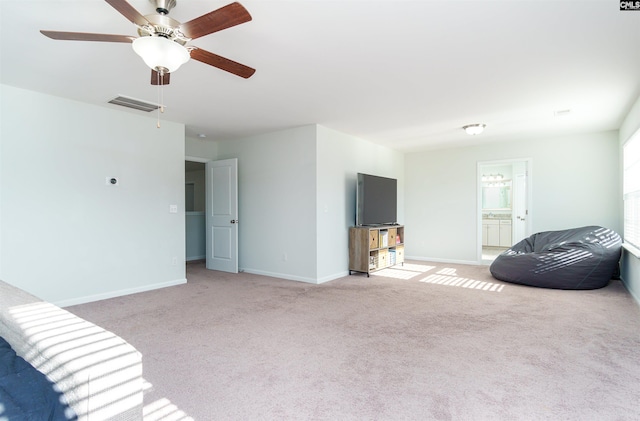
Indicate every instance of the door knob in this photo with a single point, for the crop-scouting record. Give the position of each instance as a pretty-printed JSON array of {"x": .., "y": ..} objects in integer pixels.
[{"x": 234, "y": 221}]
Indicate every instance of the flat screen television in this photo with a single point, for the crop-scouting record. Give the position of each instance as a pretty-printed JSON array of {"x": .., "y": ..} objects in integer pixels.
[{"x": 376, "y": 200}]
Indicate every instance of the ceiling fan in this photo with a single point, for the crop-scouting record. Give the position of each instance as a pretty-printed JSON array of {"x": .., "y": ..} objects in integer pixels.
[{"x": 162, "y": 43}]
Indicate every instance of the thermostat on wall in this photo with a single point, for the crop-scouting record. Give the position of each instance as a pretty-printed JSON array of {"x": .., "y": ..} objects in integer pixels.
[{"x": 112, "y": 181}]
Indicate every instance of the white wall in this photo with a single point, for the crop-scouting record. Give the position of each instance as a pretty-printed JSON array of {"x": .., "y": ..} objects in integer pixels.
[
  {"x": 630, "y": 264},
  {"x": 575, "y": 183},
  {"x": 340, "y": 157},
  {"x": 68, "y": 236},
  {"x": 200, "y": 148},
  {"x": 277, "y": 202},
  {"x": 297, "y": 198}
]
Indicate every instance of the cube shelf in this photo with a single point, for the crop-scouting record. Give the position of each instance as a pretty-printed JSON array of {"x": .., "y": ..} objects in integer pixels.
[{"x": 375, "y": 248}]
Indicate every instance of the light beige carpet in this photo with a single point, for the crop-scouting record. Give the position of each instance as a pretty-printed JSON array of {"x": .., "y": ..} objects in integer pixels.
[{"x": 420, "y": 342}]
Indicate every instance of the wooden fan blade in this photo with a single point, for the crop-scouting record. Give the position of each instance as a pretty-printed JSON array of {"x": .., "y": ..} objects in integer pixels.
[
  {"x": 230, "y": 15},
  {"x": 128, "y": 12},
  {"x": 222, "y": 63},
  {"x": 158, "y": 79},
  {"x": 84, "y": 36}
]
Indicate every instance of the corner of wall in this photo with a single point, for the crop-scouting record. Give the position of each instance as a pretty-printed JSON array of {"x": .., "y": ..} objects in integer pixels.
[
  {"x": 630, "y": 264},
  {"x": 631, "y": 122},
  {"x": 629, "y": 270}
]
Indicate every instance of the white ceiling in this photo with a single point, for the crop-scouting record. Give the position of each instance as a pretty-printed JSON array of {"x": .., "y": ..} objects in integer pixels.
[{"x": 405, "y": 74}]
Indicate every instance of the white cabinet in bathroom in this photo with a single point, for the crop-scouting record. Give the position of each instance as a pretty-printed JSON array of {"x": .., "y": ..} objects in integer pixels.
[
  {"x": 505, "y": 233},
  {"x": 490, "y": 232},
  {"x": 484, "y": 234},
  {"x": 496, "y": 232}
]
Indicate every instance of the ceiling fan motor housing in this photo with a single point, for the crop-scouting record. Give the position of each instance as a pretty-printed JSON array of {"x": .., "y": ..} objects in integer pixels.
[
  {"x": 163, "y": 6},
  {"x": 163, "y": 26}
]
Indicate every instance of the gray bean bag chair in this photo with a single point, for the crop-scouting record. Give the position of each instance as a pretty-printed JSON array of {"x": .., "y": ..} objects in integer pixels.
[{"x": 578, "y": 258}]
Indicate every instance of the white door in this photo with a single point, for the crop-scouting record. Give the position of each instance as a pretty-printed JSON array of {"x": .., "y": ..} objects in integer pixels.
[
  {"x": 520, "y": 214},
  {"x": 221, "y": 208}
]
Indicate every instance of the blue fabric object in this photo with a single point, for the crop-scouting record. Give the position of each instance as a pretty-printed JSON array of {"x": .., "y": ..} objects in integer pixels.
[{"x": 26, "y": 393}]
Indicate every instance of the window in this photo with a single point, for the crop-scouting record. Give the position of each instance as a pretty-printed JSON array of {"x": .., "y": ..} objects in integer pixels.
[{"x": 631, "y": 190}]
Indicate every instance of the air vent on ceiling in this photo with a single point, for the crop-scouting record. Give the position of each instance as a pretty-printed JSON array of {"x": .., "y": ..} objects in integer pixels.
[{"x": 136, "y": 104}]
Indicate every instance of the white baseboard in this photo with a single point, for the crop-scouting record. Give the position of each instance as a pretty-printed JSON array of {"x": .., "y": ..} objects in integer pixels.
[
  {"x": 630, "y": 291},
  {"x": 297, "y": 278},
  {"x": 333, "y": 277},
  {"x": 634, "y": 295},
  {"x": 191, "y": 258},
  {"x": 279, "y": 275},
  {"x": 118, "y": 293}
]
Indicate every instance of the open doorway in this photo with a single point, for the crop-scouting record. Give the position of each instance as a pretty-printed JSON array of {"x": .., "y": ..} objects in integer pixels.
[
  {"x": 195, "y": 231},
  {"x": 211, "y": 212},
  {"x": 504, "y": 197}
]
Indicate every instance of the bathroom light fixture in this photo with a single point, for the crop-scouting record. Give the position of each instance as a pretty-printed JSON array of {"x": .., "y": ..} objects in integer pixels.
[
  {"x": 492, "y": 177},
  {"x": 474, "y": 129},
  {"x": 161, "y": 54}
]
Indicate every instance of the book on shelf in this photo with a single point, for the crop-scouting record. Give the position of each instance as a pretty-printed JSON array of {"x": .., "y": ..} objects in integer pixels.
[{"x": 384, "y": 238}]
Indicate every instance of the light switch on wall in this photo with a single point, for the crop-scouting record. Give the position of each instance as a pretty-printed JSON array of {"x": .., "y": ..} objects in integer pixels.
[{"x": 173, "y": 208}]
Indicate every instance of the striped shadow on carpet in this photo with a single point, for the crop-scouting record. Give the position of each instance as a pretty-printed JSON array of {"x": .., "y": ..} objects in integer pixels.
[{"x": 445, "y": 276}]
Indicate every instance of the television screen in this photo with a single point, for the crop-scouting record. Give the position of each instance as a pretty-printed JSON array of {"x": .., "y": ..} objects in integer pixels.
[{"x": 376, "y": 200}]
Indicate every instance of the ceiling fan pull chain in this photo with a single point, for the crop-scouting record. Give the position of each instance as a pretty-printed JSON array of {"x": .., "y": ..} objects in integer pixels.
[
  {"x": 158, "y": 77},
  {"x": 162, "y": 94}
]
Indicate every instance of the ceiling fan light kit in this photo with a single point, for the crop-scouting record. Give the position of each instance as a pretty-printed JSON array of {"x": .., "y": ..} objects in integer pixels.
[
  {"x": 474, "y": 129},
  {"x": 161, "y": 54},
  {"x": 162, "y": 40}
]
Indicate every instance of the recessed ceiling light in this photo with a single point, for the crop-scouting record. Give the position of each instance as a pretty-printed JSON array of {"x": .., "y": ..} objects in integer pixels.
[
  {"x": 562, "y": 113},
  {"x": 202, "y": 135},
  {"x": 474, "y": 129}
]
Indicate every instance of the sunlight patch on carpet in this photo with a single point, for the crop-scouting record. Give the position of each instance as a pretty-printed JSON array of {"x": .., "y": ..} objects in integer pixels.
[
  {"x": 406, "y": 271},
  {"x": 444, "y": 276},
  {"x": 416, "y": 268},
  {"x": 448, "y": 276},
  {"x": 164, "y": 410}
]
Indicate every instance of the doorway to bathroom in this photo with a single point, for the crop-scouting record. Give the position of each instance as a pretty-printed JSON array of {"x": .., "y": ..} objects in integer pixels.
[
  {"x": 194, "y": 191},
  {"x": 504, "y": 199}
]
